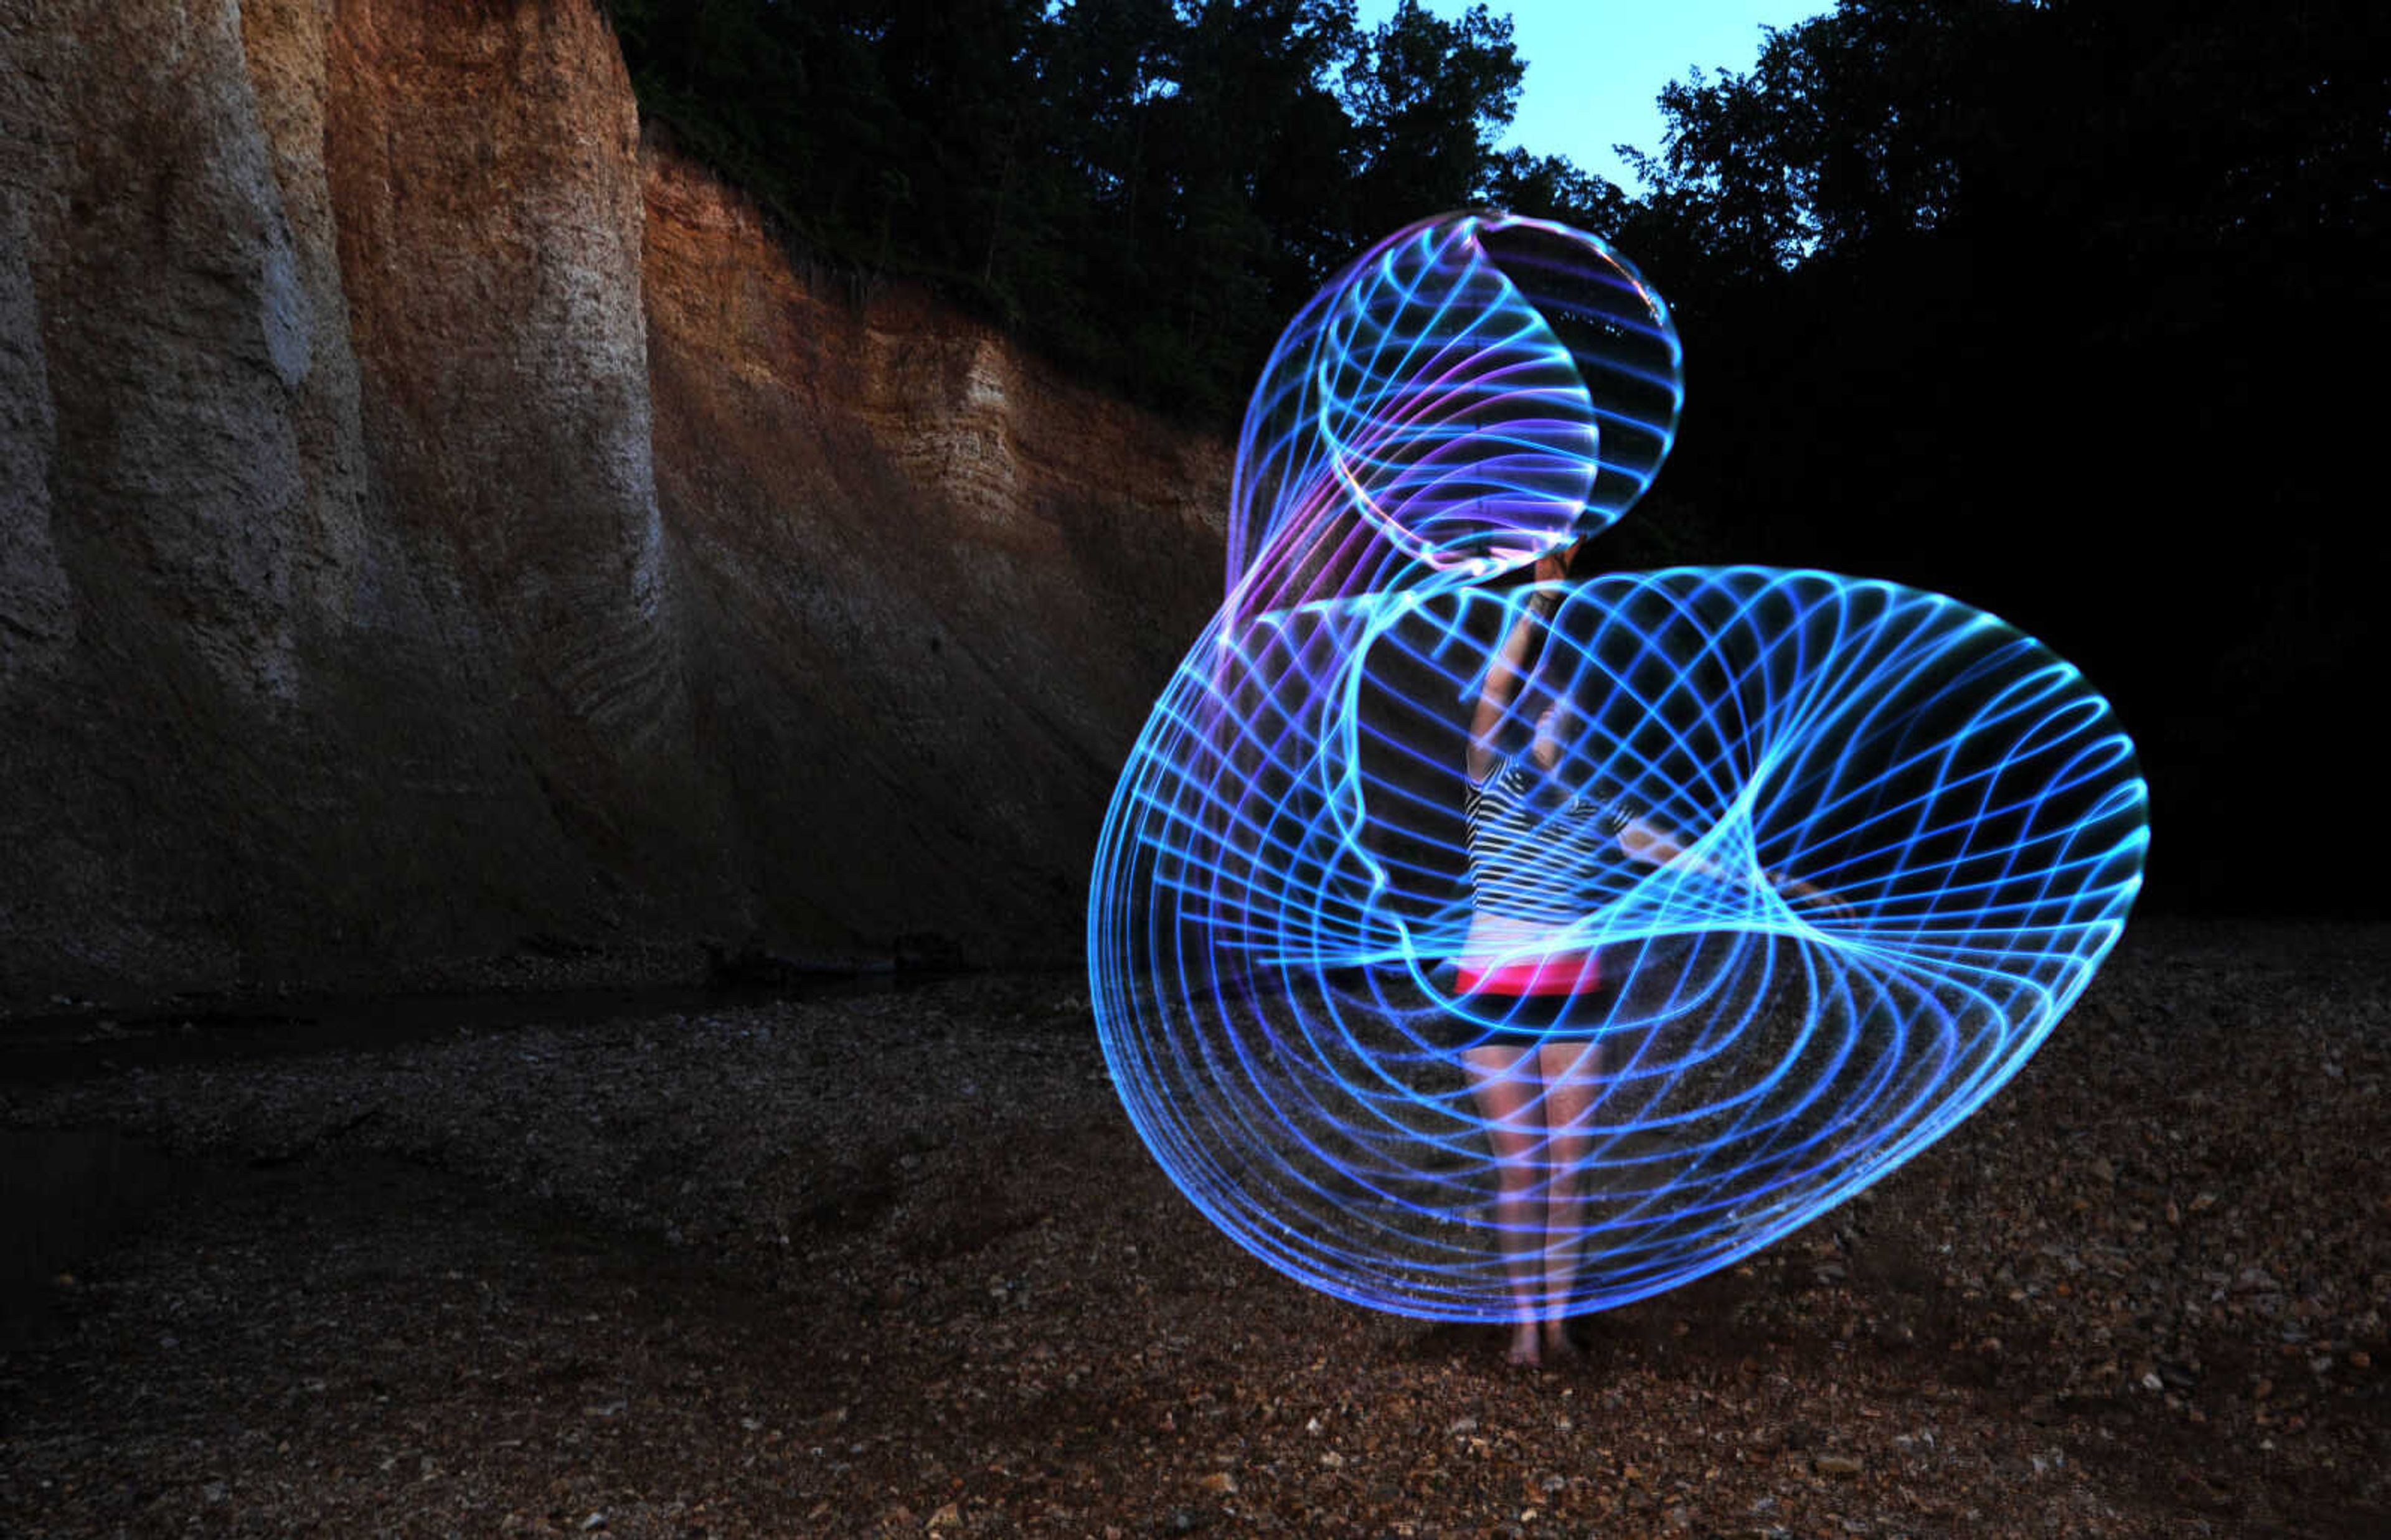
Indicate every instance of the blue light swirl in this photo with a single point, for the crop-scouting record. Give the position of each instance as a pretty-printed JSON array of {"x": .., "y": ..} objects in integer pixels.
[{"x": 1280, "y": 888}]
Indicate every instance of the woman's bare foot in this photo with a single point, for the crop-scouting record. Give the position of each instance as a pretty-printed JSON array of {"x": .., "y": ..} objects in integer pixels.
[
  {"x": 1524, "y": 1348},
  {"x": 1556, "y": 1341}
]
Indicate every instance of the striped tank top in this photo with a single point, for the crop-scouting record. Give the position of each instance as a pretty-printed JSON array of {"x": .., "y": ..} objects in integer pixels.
[{"x": 1532, "y": 855}]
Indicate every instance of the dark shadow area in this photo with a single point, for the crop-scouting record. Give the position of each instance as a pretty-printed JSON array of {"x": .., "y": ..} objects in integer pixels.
[{"x": 832, "y": 1265}]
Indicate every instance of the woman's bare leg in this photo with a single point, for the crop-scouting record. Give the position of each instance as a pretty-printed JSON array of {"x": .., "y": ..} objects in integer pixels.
[
  {"x": 1509, "y": 1095},
  {"x": 1571, "y": 1073}
]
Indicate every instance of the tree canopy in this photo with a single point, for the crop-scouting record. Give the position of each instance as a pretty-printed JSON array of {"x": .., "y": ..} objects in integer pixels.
[
  {"x": 1144, "y": 189},
  {"x": 2070, "y": 309}
]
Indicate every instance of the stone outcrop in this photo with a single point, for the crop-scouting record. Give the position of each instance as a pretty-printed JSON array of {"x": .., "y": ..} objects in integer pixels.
[
  {"x": 934, "y": 586},
  {"x": 435, "y": 528}
]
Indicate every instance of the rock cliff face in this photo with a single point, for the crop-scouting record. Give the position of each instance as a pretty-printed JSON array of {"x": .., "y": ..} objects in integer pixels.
[
  {"x": 932, "y": 589},
  {"x": 434, "y": 528}
]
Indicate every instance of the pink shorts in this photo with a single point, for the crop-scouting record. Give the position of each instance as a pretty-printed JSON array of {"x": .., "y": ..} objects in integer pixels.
[{"x": 1549, "y": 973}]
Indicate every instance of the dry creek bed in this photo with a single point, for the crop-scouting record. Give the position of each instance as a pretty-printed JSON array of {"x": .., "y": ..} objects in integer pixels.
[{"x": 894, "y": 1263}]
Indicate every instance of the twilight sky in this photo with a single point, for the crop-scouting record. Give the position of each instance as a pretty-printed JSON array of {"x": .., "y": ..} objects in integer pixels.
[{"x": 1595, "y": 66}]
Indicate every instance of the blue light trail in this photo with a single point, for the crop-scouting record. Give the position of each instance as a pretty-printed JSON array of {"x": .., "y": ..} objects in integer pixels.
[{"x": 1879, "y": 839}]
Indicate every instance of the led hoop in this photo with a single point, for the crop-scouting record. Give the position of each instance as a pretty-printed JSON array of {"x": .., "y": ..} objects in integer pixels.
[{"x": 1279, "y": 890}]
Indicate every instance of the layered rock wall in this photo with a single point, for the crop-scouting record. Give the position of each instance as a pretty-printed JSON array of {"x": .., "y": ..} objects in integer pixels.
[
  {"x": 433, "y": 529},
  {"x": 935, "y": 586}
]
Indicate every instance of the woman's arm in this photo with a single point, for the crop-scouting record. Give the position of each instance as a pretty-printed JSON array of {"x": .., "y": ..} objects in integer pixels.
[
  {"x": 1655, "y": 846},
  {"x": 1808, "y": 892},
  {"x": 1505, "y": 674},
  {"x": 1649, "y": 842}
]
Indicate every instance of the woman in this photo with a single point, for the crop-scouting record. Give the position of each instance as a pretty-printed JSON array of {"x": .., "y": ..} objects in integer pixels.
[{"x": 1537, "y": 993}]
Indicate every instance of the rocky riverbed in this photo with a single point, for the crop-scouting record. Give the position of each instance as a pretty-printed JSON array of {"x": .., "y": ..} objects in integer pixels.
[{"x": 893, "y": 1261}]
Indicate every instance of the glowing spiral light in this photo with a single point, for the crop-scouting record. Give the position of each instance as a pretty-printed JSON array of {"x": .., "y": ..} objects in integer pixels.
[{"x": 1283, "y": 883}]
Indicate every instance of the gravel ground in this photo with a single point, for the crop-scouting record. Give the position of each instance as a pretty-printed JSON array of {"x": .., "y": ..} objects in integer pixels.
[{"x": 894, "y": 1263}]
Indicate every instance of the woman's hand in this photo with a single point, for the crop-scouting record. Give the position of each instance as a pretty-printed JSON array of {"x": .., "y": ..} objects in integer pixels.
[
  {"x": 1816, "y": 900},
  {"x": 1554, "y": 565}
]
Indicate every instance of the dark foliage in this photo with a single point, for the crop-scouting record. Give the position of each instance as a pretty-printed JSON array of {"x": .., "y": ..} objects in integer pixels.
[
  {"x": 1144, "y": 189},
  {"x": 2072, "y": 310}
]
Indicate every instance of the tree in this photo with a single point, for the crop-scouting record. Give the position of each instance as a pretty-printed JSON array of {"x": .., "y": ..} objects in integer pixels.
[
  {"x": 1428, "y": 99},
  {"x": 2025, "y": 303},
  {"x": 1551, "y": 186}
]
